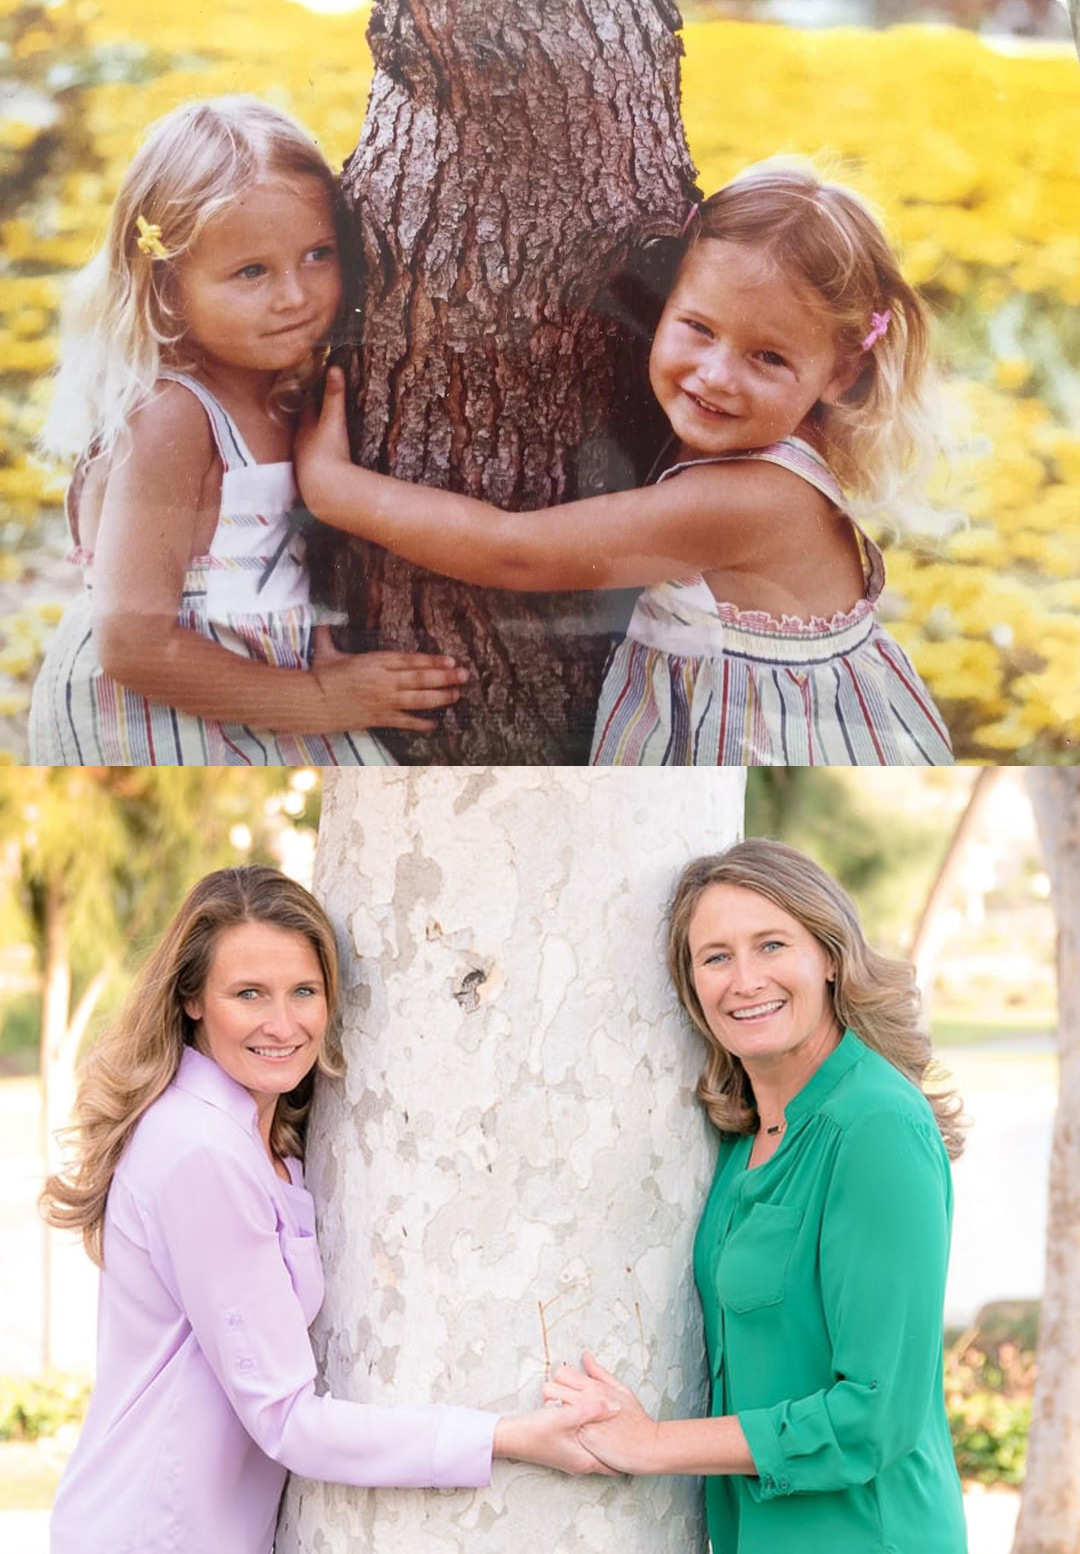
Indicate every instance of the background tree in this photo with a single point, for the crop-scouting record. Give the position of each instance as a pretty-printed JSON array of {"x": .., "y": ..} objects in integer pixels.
[
  {"x": 927, "y": 936},
  {"x": 95, "y": 860},
  {"x": 884, "y": 852},
  {"x": 1049, "y": 1521},
  {"x": 513, "y": 1165},
  {"x": 511, "y": 158}
]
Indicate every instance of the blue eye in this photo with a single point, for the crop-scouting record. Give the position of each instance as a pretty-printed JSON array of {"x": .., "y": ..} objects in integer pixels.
[
  {"x": 323, "y": 252},
  {"x": 248, "y": 993},
  {"x": 251, "y": 272},
  {"x": 773, "y": 944}
]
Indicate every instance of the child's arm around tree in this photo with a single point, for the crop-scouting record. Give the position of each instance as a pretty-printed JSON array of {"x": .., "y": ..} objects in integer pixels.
[
  {"x": 620, "y": 540},
  {"x": 161, "y": 489}
]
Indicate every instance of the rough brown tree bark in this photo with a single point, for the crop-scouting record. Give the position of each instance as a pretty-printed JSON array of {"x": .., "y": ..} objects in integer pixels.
[
  {"x": 512, "y": 156},
  {"x": 1049, "y": 1520}
]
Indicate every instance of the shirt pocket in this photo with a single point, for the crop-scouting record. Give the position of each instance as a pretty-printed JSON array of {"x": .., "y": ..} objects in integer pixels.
[
  {"x": 301, "y": 1254},
  {"x": 752, "y": 1268}
]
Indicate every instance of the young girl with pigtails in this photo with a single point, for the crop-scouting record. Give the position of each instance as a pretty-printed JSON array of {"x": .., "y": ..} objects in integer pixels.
[
  {"x": 791, "y": 361},
  {"x": 184, "y": 358}
]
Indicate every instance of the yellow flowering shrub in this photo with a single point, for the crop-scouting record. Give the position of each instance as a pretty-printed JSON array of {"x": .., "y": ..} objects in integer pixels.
[{"x": 969, "y": 153}]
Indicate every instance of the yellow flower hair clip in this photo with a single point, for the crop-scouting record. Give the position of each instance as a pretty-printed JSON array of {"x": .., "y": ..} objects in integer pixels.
[{"x": 149, "y": 239}]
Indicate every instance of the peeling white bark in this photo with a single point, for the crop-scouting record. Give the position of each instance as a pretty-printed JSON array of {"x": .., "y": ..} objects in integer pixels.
[{"x": 512, "y": 1168}]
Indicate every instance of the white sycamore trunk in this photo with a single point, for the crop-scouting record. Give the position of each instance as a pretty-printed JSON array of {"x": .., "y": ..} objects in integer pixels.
[{"x": 513, "y": 1166}]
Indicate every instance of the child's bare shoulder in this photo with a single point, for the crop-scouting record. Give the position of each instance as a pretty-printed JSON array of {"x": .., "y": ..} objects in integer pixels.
[
  {"x": 754, "y": 487},
  {"x": 166, "y": 473},
  {"x": 172, "y": 415},
  {"x": 172, "y": 447}
]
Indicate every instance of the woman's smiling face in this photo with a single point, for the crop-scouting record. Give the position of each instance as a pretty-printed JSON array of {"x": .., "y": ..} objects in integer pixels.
[
  {"x": 761, "y": 977},
  {"x": 262, "y": 1013}
]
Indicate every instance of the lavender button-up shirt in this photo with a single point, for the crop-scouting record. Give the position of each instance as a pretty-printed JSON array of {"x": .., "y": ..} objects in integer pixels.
[{"x": 205, "y": 1394}]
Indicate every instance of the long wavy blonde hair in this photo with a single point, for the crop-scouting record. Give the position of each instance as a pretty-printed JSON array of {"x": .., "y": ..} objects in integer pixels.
[
  {"x": 873, "y": 994},
  {"x": 121, "y": 322},
  {"x": 880, "y": 439},
  {"x": 136, "y": 1059}
]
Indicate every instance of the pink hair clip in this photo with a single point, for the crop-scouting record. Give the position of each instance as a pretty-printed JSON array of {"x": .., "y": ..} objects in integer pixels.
[
  {"x": 879, "y": 323},
  {"x": 689, "y": 222}
]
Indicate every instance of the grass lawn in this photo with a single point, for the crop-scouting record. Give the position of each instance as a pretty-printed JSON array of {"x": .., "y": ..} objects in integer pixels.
[{"x": 966, "y": 1028}]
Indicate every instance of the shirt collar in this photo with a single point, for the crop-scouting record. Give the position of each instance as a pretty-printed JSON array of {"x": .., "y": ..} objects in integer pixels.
[
  {"x": 202, "y": 1077},
  {"x": 814, "y": 1093}
]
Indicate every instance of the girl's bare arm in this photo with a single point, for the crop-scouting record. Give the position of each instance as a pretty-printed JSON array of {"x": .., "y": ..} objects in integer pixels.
[
  {"x": 157, "y": 490},
  {"x": 709, "y": 517}
]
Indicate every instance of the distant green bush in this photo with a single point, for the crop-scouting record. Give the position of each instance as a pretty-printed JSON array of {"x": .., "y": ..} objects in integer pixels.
[
  {"x": 33, "y": 1406},
  {"x": 989, "y": 1381},
  {"x": 20, "y": 1033}
]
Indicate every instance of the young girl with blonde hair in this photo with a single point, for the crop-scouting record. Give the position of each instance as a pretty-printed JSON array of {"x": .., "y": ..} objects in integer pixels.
[
  {"x": 791, "y": 361},
  {"x": 184, "y": 355}
]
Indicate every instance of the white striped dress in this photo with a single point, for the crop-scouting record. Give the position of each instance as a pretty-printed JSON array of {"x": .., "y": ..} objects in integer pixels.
[
  {"x": 701, "y": 683},
  {"x": 80, "y": 716}
]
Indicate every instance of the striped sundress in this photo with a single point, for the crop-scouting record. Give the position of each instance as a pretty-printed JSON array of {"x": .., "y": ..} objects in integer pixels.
[
  {"x": 240, "y": 597},
  {"x": 701, "y": 683}
]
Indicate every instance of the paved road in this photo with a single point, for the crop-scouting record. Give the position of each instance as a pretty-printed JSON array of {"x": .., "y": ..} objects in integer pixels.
[{"x": 1000, "y": 1182}]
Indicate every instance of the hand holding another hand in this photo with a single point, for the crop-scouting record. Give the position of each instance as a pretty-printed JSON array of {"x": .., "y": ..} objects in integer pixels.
[
  {"x": 620, "y": 1433},
  {"x": 551, "y": 1436}
]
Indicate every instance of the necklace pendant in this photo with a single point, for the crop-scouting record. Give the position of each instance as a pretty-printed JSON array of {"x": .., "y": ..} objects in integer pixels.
[{"x": 775, "y": 1129}]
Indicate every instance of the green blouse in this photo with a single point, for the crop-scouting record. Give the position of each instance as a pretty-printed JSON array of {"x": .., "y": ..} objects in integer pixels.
[{"x": 822, "y": 1280}]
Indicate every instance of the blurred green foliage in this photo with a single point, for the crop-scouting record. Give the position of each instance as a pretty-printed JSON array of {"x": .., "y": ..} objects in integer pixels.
[
  {"x": 989, "y": 1380},
  {"x": 34, "y": 1406}
]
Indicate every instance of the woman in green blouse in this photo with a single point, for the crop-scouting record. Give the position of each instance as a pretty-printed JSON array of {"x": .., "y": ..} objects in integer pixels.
[{"x": 821, "y": 1255}]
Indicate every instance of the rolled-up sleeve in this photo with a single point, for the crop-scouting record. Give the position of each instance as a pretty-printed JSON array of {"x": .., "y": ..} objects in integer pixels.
[
  {"x": 884, "y": 1252},
  {"x": 214, "y": 1238}
]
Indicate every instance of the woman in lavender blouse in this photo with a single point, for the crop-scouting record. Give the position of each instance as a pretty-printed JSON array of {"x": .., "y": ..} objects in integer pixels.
[{"x": 187, "y": 1186}]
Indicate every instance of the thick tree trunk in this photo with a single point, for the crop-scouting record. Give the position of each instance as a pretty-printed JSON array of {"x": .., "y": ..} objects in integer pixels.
[
  {"x": 514, "y": 1163},
  {"x": 1049, "y": 1520},
  {"x": 512, "y": 155},
  {"x": 927, "y": 938}
]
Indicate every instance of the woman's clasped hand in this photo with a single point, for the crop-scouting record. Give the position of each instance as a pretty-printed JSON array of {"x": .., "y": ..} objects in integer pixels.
[{"x": 621, "y": 1435}]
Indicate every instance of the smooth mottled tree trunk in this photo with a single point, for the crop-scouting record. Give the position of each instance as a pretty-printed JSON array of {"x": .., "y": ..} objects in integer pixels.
[
  {"x": 513, "y": 153},
  {"x": 1049, "y": 1520},
  {"x": 514, "y": 1163}
]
